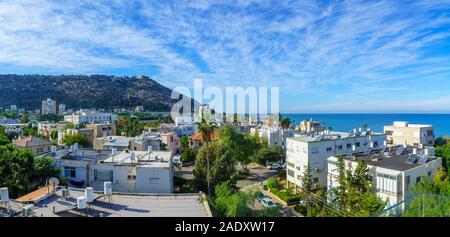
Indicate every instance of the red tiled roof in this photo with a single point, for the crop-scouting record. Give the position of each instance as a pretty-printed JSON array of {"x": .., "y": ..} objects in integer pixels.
[
  {"x": 199, "y": 138},
  {"x": 31, "y": 141}
]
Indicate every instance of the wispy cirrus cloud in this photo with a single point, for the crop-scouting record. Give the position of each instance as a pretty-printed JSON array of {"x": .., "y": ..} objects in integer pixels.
[{"x": 322, "y": 54}]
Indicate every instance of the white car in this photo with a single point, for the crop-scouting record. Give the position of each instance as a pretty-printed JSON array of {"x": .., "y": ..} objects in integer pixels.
[
  {"x": 267, "y": 202},
  {"x": 177, "y": 161},
  {"x": 273, "y": 167}
]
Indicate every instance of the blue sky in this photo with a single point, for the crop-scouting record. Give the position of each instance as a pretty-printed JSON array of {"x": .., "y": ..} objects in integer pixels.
[{"x": 326, "y": 56}]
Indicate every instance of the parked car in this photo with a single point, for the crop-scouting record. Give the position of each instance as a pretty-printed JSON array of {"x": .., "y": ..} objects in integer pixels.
[
  {"x": 267, "y": 202},
  {"x": 274, "y": 167},
  {"x": 177, "y": 161},
  {"x": 259, "y": 196}
]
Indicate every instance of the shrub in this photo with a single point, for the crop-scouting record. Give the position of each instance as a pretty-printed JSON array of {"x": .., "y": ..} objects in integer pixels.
[{"x": 272, "y": 183}]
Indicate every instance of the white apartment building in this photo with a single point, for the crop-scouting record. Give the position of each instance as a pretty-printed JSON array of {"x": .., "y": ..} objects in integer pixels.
[
  {"x": 61, "y": 108},
  {"x": 404, "y": 133},
  {"x": 274, "y": 136},
  {"x": 90, "y": 117},
  {"x": 48, "y": 106},
  {"x": 392, "y": 169},
  {"x": 315, "y": 148},
  {"x": 135, "y": 171}
]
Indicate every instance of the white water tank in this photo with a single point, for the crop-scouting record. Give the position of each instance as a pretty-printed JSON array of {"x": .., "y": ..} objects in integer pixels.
[
  {"x": 53, "y": 149},
  {"x": 150, "y": 149},
  {"x": 81, "y": 202},
  {"x": 113, "y": 151},
  {"x": 107, "y": 188},
  {"x": 4, "y": 195},
  {"x": 133, "y": 156},
  {"x": 89, "y": 194},
  {"x": 415, "y": 151},
  {"x": 354, "y": 148}
]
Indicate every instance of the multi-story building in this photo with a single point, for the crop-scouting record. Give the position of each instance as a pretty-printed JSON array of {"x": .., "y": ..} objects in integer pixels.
[
  {"x": 90, "y": 117},
  {"x": 13, "y": 107},
  {"x": 102, "y": 129},
  {"x": 61, "y": 108},
  {"x": 135, "y": 171},
  {"x": 36, "y": 144},
  {"x": 48, "y": 106},
  {"x": 144, "y": 141},
  {"x": 45, "y": 128},
  {"x": 403, "y": 133},
  {"x": 308, "y": 126},
  {"x": 313, "y": 149},
  {"x": 274, "y": 136},
  {"x": 172, "y": 142},
  {"x": 118, "y": 143},
  {"x": 392, "y": 169}
]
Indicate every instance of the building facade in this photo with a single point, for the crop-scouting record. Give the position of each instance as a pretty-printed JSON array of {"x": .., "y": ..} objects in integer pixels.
[
  {"x": 48, "y": 106},
  {"x": 403, "y": 133},
  {"x": 313, "y": 150}
]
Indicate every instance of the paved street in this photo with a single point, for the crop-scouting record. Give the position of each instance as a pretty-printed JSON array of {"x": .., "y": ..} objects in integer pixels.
[{"x": 257, "y": 175}]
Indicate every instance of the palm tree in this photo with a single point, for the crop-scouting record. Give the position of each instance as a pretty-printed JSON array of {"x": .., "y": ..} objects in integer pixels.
[{"x": 207, "y": 130}]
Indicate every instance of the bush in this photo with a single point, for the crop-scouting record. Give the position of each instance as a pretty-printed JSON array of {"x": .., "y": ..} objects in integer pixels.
[
  {"x": 274, "y": 190},
  {"x": 272, "y": 183},
  {"x": 301, "y": 209}
]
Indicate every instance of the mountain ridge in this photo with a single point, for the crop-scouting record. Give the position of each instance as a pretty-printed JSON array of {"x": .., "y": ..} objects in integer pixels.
[{"x": 84, "y": 91}]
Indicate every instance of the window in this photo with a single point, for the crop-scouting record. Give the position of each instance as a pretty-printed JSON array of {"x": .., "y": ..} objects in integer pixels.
[
  {"x": 131, "y": 177},
  {"x": 103, "y": 175},
  {"x": 290, "y": 172},
  {"x": 349, "y": 145},
  {"x": 153, "y": 180},
  {"x": 418, "y": 179},
  {"x": 69, "y": 172},
  {"x": 407, "y": 182},
  {"x": 358, "y": 144},
  {"x": 375, "y": 144},
  {"x": 39, "y": 150},
  {"x": 315, "y": 180},
  {"x": 329, "y": 149},
  {"x": 339, "y": 147}
]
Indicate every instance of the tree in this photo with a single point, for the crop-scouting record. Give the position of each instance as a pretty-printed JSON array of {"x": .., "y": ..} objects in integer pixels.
[
  {"x": 267, "y": 154},
  {"x": 79, "y": 138},
  {"x": 230, "y": 202},
  {"x": 206, "y": 129},
  {"x": 242, "y": 146},
  {"x": 220, "y": 169},
  {"x": 21, "y": 172},
  {"x": 54, "y": 135},
  {"x": 285, "y": 122},
  {"x": 444, "y": 152},
  {"x": 354, "y": 194},
  {"x": 4, "y": 140},
  {"x": 306, "y": 180},
  {"x": 128, "y": 126}
]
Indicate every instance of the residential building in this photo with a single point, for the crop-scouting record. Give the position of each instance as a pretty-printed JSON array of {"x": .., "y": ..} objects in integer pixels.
[
  {"x": 36, "y": 144},
  {"x": 45, "y": 128},
  {"x": 275, "y": 136},
  {"x": 313, "y": 149},
  {"x": 102, "y": 129},
  {"x": 118, "y": 143},
  {"x": 172, "y": 142},
  {"x": 404, "y": 133},
  {"x": 139, "y": 108},
  {"x": 393, "y": 170},
  {"x": 90, "y": 117},
  {"x": 87, "y": 132},
  {"x": 144, "y": 141},
  {"x": 48, "y": 106},
  {"x": 196, "y": 141},
  {"x": 308, "y": 126},
  {"x": 13, "y": 107},
  {"x": 62, "y": 202},
  {"x": 61, "y": 108},
  {"x": 180, "y": 131},
  {"x": 135, "y": 171}
]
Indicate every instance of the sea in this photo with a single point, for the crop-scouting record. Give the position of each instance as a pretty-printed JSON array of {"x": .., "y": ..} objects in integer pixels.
[{"x": 376, "y": 122}]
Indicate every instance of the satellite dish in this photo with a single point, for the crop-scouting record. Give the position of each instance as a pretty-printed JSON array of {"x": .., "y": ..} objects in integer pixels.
[{"x": 53, "y": 181}]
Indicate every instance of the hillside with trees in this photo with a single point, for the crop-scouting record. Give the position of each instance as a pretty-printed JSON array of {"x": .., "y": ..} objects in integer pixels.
[{"x": 78, "y": 91}]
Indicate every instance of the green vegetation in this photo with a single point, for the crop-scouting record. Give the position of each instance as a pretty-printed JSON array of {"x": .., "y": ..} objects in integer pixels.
[
  {"x": 21, "y": 172},
  {"x": 229, "y": 202},
  {"x": 267, "y": 154},
  {"x": 79, "y": 138},
  {"x": 354, "y": 194},
  {"x": 432, "y": 196},
  {"x": 79, "y": 91},
  {"x": 50, "y": 117},
  {"x": 128, "y": 126},
  {"x": 243, "y": 147}
]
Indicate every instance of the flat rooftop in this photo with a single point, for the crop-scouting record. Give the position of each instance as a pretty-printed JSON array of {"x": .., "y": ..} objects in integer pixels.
[
  {"x": 124, "y": 205},
  {"x": 323, "y": 136},
  {"x": 155, "y": 158},
  {"x": 391, "y": 159}
]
